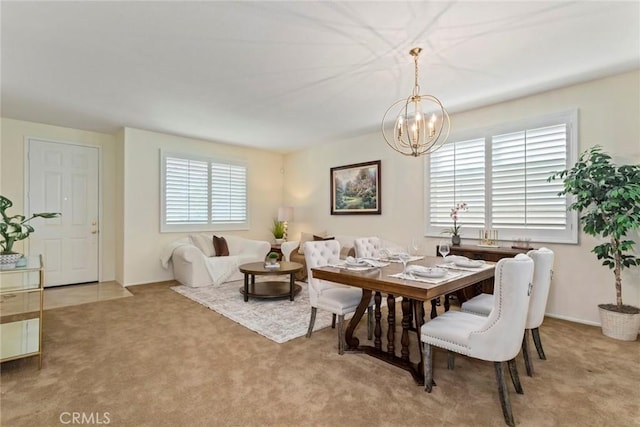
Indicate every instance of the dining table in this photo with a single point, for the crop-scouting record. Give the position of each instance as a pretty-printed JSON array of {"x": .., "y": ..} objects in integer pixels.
[{"x": 413, "y": 290}]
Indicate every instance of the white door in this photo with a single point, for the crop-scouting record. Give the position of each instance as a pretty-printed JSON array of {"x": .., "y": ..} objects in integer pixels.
[{"x": 64, "y": 178}]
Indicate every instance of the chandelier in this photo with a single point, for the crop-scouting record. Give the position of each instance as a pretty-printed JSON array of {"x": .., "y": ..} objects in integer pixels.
[{"x": 421, "y": 125}]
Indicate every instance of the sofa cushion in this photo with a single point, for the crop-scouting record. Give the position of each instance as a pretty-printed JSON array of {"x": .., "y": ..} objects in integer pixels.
[
  {"x": 203, "y": 243},
  {"x": 220, "y": 245},
  {"x": 347, "y": 251}
]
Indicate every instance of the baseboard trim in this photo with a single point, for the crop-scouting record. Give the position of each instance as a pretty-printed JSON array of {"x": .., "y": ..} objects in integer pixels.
[{"x": 573, "y": 319}]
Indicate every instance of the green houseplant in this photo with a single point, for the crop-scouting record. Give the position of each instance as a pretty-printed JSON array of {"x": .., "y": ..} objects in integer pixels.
[
  {"x": 608, "y": 200},
  {"x": 13, "y": 229},
  {"x": 271, "y": 260},
  {"x": 278, "y": 230}
]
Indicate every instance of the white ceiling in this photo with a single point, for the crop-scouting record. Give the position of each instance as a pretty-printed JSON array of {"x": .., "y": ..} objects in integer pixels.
[{"x": 285, "y": 75}]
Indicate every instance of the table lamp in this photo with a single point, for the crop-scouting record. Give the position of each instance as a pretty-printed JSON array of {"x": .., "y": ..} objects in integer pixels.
[{"x": 285, "y": 214}]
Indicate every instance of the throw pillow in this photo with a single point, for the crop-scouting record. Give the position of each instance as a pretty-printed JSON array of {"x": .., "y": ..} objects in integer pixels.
[
  {"x": 318, "y": 238},
  {"x": 220, "y": 244},
  {"x": 203, "y": 243},
  {"x": 347, "y": 251},
  {"x": 307, "y": 237}
]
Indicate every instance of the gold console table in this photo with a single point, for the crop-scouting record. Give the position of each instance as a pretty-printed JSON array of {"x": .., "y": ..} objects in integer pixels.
[{"x": 21, "y": 302}]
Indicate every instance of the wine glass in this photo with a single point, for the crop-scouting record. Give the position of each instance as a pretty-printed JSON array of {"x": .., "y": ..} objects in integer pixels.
[
  {"x": 414, "y": 247},
  {"x": 444, "y": 249},
  {"x": 404, "y": 258}
]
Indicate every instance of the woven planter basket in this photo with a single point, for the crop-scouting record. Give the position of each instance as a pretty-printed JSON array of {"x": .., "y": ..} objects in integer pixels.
[{"x": 621, "y": 326}]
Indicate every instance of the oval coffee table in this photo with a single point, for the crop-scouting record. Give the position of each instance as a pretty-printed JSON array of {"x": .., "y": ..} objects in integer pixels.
[{"x": 270, "y": 289}]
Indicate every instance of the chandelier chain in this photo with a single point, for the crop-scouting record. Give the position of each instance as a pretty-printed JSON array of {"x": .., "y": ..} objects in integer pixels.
[{"x": 416, "y": 87}]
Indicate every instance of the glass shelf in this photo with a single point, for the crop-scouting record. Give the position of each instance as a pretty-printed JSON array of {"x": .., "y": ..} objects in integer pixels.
[{"x": 21, "y": 300}]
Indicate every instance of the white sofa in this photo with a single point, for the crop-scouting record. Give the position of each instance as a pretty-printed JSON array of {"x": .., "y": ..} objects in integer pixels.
[{"x": 194, "y": 262}]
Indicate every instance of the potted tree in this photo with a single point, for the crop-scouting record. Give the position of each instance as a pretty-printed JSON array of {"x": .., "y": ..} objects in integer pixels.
[
  {"x": 608, "y": 199},
  {"x": 13, "y": 229},
  {"x": 278, "y": 231}
]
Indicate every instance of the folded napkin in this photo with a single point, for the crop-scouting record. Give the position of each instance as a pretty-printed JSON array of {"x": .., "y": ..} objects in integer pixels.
[
  {"x": 391, "y": 253},
  {"x": 351, "y": 261},
  {"x": 454, "y": 258}
]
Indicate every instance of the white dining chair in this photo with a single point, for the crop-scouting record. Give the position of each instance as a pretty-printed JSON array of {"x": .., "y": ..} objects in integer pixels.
[
  {"x": 367, "y": 247},
  {"x": 542, "y": 274},
  {"x": 496, "y": 338},
  {"x": 333, "y": 297}
]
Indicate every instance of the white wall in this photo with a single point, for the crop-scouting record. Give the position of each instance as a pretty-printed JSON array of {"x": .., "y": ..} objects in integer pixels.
[
  {"x": 142, "y": 240},
  {"x": 609, "y": 112},
  {"x": 12, "y": 172}
]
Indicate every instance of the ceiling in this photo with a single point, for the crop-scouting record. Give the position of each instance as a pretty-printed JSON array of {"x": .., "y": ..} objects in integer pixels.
[{"x": 286, "y": 75}]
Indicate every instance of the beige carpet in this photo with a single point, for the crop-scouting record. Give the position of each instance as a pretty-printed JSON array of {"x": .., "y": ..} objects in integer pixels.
[
  {"x": 159, "y": 359},
  {"x": 278, "y": 319}
]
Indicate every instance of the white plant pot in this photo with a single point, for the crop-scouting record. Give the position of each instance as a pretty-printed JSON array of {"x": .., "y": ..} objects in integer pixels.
[
  {"x": 279, "y": 241},
  {"x": 8, "y": 261},
  {"x": 621, "y": 326}
]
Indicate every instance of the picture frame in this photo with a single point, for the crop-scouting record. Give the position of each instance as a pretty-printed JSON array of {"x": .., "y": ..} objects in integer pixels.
[{"x": 355, "y": 189}]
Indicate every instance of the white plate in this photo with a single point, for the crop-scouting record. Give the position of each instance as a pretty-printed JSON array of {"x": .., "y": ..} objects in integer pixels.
[
  {"x": 429, "y": 272},
  {"x": 470, "y": 263}
]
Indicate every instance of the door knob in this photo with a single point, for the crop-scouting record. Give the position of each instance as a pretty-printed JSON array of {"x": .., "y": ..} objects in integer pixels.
[{"x": 94, "y": 232}]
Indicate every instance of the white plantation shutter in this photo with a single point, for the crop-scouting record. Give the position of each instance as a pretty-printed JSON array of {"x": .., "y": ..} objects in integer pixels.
[
  {"x": 202, "y": 194},
  {"x": 229, "y": 193},
  {"x": 521, "y": 163},
  {"x": 457, "y": 173},
  {"x": 186, "y": 191},
  {"x": 511, "y": 194}
]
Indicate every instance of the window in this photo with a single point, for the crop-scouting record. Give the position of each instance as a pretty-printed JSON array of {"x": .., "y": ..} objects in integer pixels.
[
  {"x": 203, "y": 194},
  {"x": 501, "y": 173}
]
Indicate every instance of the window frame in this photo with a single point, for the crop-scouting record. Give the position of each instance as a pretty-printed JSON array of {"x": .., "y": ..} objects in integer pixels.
[
  {"x": 210, "y": 225},
  {"x": 568, "y": 236}
]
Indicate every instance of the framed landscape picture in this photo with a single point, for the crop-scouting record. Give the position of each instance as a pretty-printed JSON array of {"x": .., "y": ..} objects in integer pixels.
[{"x": 355, "y": 189}]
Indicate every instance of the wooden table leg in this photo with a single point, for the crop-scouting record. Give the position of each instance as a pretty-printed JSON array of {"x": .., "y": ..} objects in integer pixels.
[
  {"x": 434, "y": 313},
  {"x": 292, "y": 282},
  {"x": 406, "y": 324},
  {"x": 391, "y": 320},
  {"x": 246, "y": 287},
  {"x": 354, "y": 342},
  {"x": 377, "y": 331}
]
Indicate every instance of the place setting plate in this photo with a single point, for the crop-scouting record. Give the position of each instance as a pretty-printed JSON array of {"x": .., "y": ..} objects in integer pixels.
[
  {"x": 468, "y": 263},
  {"x": 361, "y": 264},
  {"x": 427, "y": 272},
  {"x": 457, "y": 262}
]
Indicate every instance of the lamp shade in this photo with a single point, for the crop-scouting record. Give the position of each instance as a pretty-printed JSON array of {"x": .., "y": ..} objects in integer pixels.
[{"x": 285, "y": 213}]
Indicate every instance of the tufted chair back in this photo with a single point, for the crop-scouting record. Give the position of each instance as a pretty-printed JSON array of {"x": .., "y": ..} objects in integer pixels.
[
  {"x": 500, "y": 337},
  {"x": 367, "y": 247},
  {"x": 319, "y": 254},
  {"x": 542, "y": 273}
]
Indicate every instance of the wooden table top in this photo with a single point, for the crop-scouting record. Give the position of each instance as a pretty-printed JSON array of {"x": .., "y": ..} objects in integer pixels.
[
  {"x": 378, "y": 279},
  {"x": 258, "y": 268}
]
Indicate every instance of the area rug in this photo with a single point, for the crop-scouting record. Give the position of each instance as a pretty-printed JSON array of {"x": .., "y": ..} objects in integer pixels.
[{"x": 280, "y": 320}]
